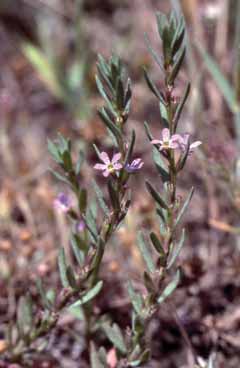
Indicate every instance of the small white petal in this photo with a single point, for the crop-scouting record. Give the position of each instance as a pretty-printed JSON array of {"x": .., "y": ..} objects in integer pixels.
[{"x": 166, "y": 135}]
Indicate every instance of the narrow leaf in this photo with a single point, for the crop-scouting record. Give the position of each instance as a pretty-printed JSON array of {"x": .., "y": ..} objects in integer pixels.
[
  {"x": 115, "y": 336},
  {"x": 136, "y": 299},
  {"x": 130, "y": 148},
  {"x": 176, "y": 251},
  {"x": 63, "y": 268},
  {"x": 94, "y": 358},
  {"x": 156, "y": 196},
  {"x": 71, "y": 277},
  {"x": 153, "y": 52},
  {"x": 170, "y": 288},
  {"x": 152, "y": 86},
  {"x": 184, "y": 207},
  {"x": 89, "y": 295},
  {"x": 145, "y": 253},
  {"x": 181, "y": 105},
  {"x": 100, "y": 198},
  {"x": 45, "y": 301},
  {"x": 160, "y": 165},
  {"x": 158, "y": 246},
  {"x": 222, "y": 83},
  {"x": 105, "y": 118},
  {"x": 177, "y": 65}
]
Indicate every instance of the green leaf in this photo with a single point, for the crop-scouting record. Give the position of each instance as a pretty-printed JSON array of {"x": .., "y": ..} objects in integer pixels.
[
  {"x": 181, "y": 105},
  {"x": 63, "y": 268},
  {"x": 144, "y": 358},
  {"x": 44, "y": 68},
  {"x": 25, "y": 315},
  {"x": 71, "y": 277},
  {"x": 160, "y": 165},
  {"x": 67, "y": 160},
  {"x": 79, "y": 248},
  {"x": 91, "y": 223},
  {"x": 178, "y": 37},
  {"x": 82, "y": 200},
  {"x": 89, "y": 295},
  {"x": 109, "y": 124},
  {"x": 114, "y": 334},
  {"x": 156, "y": 196},
  {"x": 105, "y": 96},
  {"x": 184, "y": 207},
  {"x": 167, "y": 40},
  {"x": 130, "y": 148},
  {"x": 148, "y": 132},
  {"x": 222, "y": 83},
  {"x": 60, "y": 177},
  {"x": 159, "y": 248},
  {"x": 120, "y": 94},
  {"x": 162, "y": 23},
  {"x": 100, "y": 198},
  {"x": 45, "y": 301},
  {"x": 148, "y": 282},
  {"x": 176, "y": 251},
  {"x": 136, "y": 299},
  {"x": 153, "y": 52},
  {"x": 145, "y": 253},
  {"x": 98, "y": 153},
  {"x": 53, "y": 149},
  {"x": 164, "y": 114},
  {"x": 79, "y": 162},
  {"x": 152, "y": 86},
  {"x": 113, "y": 196},
  {"x": 128, "y": 96},
  {"x": 177, "y": 65},
  {"x": 94, "y": 358},
  {"x": 169, "y": 288}
]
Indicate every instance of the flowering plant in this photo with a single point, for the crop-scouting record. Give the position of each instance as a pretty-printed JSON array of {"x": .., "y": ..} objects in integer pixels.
[{"x": 90, "y": 232}]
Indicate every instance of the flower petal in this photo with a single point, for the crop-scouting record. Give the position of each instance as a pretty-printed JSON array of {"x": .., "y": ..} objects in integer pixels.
[
  {"x": 156, "y": 141},
  {"x": 195, "y": 145},
  {"x": 136, "y": 162},
  {"x": 186, "y": 138},
  {"x": 117, "y": 166},
  {"x": 106, "y": 173},
  {"x": 100, "y": 166},
  {"x": 116, "y": 157},
  {"x": 104, "y": 157},
  {"x": 166, "y": 134}
]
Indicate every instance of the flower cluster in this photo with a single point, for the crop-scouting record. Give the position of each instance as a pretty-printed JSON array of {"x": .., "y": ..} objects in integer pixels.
[
  {"x": 110, "y": 167},
  {"x": 176, "y": 141}
]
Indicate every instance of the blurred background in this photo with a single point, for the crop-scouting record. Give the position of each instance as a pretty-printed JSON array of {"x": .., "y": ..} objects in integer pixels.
[{"x": 48, "y": 53}]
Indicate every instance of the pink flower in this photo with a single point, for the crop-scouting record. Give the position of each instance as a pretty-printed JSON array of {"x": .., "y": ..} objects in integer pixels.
[
  {"x": 136, "y": 165},
  {"x": 167, "y": 141},
  {"x": 62, "y": 203},
  {"x": 112, "y": 358},
  {"x": 81, "y": 226},
  {"x": 176, "y": 141},
  {"x": 183, "y": 142},
  {"x": 109, "y": 166}
]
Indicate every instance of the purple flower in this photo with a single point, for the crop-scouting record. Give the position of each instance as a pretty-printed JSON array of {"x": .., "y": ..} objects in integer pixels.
[
  {"x": 62, "y": 203},
  {"x": 109, "y": 166},
  {"x": 176, "y": 141},
  {"x": 167, "y": 141},
  {"x": 136, "y": 165},
  {"x": 183, "y": 142},
  {"x": 80, "y": 226}
]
